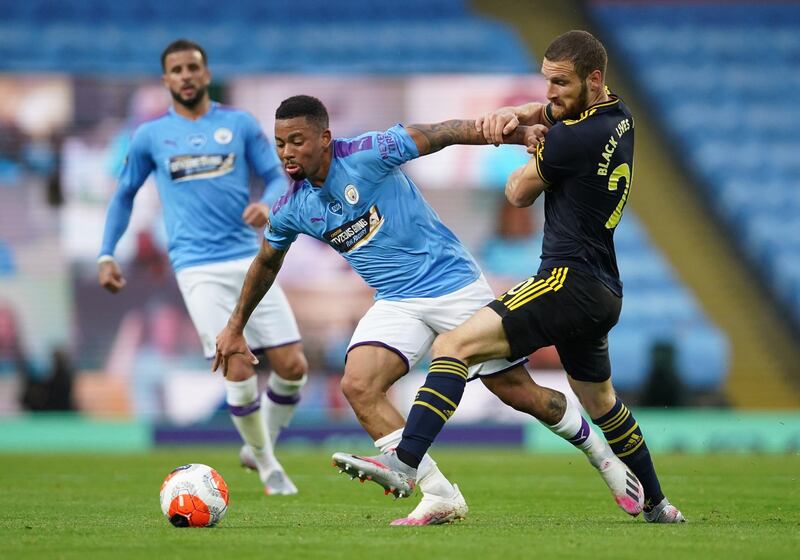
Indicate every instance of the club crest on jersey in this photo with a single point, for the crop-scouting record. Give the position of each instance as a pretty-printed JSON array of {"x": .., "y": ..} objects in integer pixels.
[
  {"x": 335, "y": 207},
  {"x": 196, "y": 140},
  {"x": 223, "y": 135},
  {"x": 351, "y": 194}
]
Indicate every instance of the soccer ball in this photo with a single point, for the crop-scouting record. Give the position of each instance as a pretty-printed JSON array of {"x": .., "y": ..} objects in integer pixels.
[{"x": 194, "y": 495}]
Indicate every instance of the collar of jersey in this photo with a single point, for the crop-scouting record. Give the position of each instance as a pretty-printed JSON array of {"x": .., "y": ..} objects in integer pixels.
[
  {"x": 211, "y": 108},
  {"x": 595, "y": 109},
  {"x": 605, "y": 105}
]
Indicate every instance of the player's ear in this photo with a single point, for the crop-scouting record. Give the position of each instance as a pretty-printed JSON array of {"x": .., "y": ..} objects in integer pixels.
[
  {"x": 595, "y": 80},
  {"x": 326, "y": 137}
]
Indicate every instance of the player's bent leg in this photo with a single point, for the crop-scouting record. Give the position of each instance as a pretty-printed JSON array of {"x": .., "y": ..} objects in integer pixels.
[
  {"x": 625, "y": 438},
  {"x": 562, "y": 417},
  {"x": 369, "y": 372},
  {"x": 478, "y": 339},
  {"x": 283, "y": 386},
  {"x": 247, "y": 414},
  {"x": 442, "y": 502}
]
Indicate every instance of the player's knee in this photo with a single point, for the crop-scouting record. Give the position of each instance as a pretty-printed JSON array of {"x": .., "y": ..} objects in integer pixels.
[
  {"x": 358, "y": 389},
  {"x": 294, "y": 368},
  {"x": 597, "y": 400},
  {"x": 446, "y": 344}
]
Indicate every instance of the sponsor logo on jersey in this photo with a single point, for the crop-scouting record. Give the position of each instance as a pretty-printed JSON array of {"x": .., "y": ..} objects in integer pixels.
[
  {"x": 223, "y": 135},
  {"x": 386, "y": 145},
  {"x": 206, "y": 166},
  {"x": 355, "y": 233},
  {"x": 196, "y": 140},
  {"x": 335, "y": 207},
  {"x": 351, "y": 194}
]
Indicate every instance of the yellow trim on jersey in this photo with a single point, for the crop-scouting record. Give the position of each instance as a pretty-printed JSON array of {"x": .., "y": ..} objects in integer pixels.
[
  {"x": 433, "y": 408},
  {"x": 552, "y": 284},
  {"x": 441, "y": 396},
  {"x": 538, "y": 156},
  {"x": 590, "y": 111}
]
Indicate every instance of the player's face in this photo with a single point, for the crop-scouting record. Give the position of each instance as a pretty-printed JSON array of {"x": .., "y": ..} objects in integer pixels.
[
  {"x": 568, "y": 94},
  {"x": 301, "y": 147},
  {"x": 186, "y": 77}
]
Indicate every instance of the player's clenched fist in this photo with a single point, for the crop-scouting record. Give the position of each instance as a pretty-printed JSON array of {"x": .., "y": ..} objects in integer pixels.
[
  {"x": 256, "y": 214},
  {"x": 496, "y": 124},
  {"x": 534, "y": 135},
  {"x": 110, "y": 276}
]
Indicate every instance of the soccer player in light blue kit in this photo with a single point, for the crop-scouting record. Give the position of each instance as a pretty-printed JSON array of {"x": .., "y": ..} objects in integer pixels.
[
  {"x": 200, "y": 153},
  {"x": 351, "y": 194}
]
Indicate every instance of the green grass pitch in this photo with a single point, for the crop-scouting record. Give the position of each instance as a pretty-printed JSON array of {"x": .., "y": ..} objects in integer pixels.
[{"x": 522, "y": 506}]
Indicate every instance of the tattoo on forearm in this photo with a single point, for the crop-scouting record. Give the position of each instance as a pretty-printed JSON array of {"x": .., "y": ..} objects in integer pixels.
[{"x": 447, "y": 133}]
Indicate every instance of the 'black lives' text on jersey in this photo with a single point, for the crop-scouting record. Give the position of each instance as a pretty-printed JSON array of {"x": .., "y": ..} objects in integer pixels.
[{"x": 587, "y": 164}]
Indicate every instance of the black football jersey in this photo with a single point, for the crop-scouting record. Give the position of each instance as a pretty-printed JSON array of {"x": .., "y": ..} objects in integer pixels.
[{"x": 587, "y": 164}]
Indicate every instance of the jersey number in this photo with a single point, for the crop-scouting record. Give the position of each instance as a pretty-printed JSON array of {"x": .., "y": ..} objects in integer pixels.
[{"x": 621, "y": 171}]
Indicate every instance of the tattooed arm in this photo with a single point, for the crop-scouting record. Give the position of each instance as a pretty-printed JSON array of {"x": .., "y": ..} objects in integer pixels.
[
  {"x": 431, "y": 138},
  {"x": 260, "y": 277}
]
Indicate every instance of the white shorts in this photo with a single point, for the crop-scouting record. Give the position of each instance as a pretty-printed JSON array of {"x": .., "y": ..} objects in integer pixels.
[
  {"x": 408, "y": 327},
  {"x": 211, "y": 292}
]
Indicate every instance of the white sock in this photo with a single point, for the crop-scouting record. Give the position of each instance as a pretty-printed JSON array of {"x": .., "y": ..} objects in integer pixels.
[
  {"x": 279, "y": 402},
  {"x": 575, "y": 429},
  {"x": 248, "y": 417},
  {"x": 429, "y": 478}
]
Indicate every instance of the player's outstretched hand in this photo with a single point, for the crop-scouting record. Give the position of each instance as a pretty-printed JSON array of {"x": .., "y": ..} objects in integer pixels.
[
  {"x": 231, "y": 342},
  {"x": 110, "y": 276},
  {"x": 256, "y": 214},
  {"x": 534, "y": 135},
  {"x": 496, "y": 124}
]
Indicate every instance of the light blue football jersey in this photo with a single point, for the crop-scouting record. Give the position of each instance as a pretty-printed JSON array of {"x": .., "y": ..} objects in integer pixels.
[
  {"x": 374, "y": 215},
  {"x": 202, "y": 173}
]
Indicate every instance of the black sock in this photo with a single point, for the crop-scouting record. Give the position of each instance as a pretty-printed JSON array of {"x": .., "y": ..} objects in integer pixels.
[
  {"x": 626, "y": 440},
  {"x": 436, "y": 401}
]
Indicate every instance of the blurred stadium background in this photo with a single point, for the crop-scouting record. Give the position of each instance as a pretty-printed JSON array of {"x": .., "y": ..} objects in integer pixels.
[{"x": 709, "y": 246}]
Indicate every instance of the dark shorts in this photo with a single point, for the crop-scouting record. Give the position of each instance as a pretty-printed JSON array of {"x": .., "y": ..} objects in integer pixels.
[{"x": 568, "y": 309}]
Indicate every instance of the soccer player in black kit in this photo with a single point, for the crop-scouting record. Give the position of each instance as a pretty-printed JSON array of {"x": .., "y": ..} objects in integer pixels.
[{"x": 584, "y": 166}]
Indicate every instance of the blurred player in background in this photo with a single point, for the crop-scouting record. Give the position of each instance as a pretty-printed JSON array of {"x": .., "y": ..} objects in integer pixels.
[
  {"x": 584, "y": 165},
  {"x": 201, "y": 153},
  {"x": 351, "y": 194}
]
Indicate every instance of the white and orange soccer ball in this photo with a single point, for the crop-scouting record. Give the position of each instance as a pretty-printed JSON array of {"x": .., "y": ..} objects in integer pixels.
[{"x": 194, "y": 495}]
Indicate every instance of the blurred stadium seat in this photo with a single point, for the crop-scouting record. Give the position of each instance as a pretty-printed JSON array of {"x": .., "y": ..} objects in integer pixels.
[
  {"x": 724, "y": 97},
  {"x": 659, "y": 309},
  {"x": 355, "y": 36}
]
